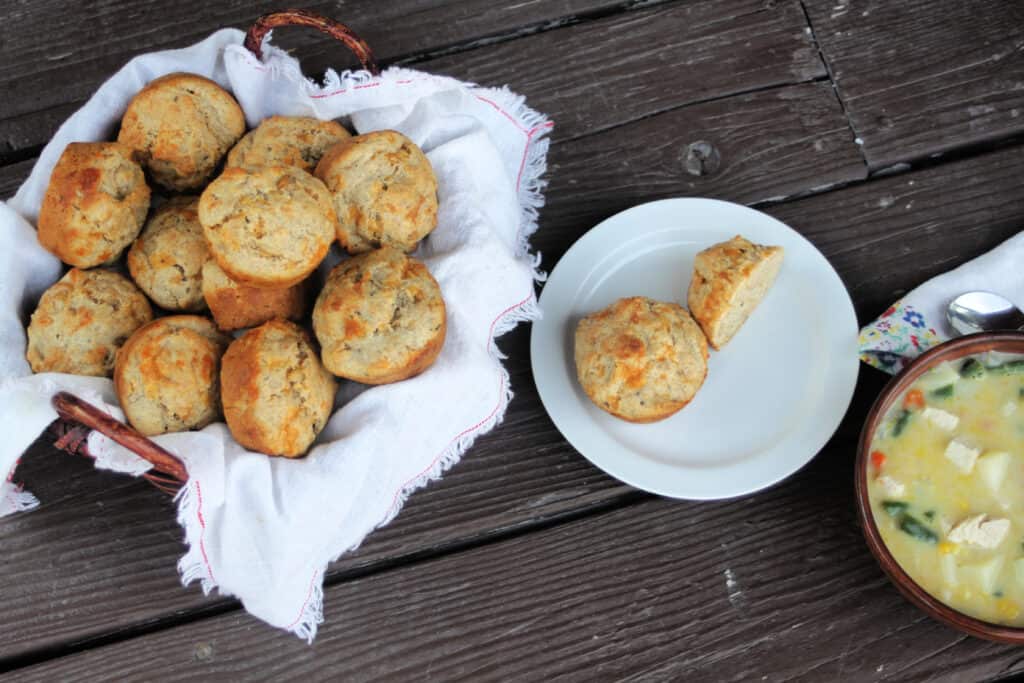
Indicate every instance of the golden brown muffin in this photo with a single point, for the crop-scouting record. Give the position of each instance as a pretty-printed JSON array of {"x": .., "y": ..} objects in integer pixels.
[
  {"x": 167, "y": 374},
  {"x": 95, "y": 204},
  {"x": 82, "y": 320},
  {"x": 277, "y": 396},
  {"x": 380, "y": 318},
  {"x": 384, "y": 191},
  {"x": 182, "y": 125},
  {"x": 268, "y": 226},
  {"x": 166, "y": 261},
  {"x": 639, "y": 359},
  {"x": 236, "y": 306},
  {"x": 297, "y": 141},
  {"x": 729, "y": 280}
]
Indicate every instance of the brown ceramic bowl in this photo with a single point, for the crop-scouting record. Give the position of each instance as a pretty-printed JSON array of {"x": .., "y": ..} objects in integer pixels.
[{"x": 1008, "y": 342}]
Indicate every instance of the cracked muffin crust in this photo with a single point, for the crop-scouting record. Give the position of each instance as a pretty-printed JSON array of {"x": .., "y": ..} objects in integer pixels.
[
  {"x": 269, "y": 226},
  {"x": 166, "y": 261},
  {"x": 82, "y": 320},
  {"x": 167, "y": 373},
  {"x": 95, "y": 204},
  {"x": 235, "y": 306},
  {"x": 380, "y": 318},
  {"x": 181, "y": 125},
  {"x": 277, "y": 396},
  {"x": 297, "y": 141},
  {"x": 384, "y": 191},
  {"x": 639, "y": 359}
]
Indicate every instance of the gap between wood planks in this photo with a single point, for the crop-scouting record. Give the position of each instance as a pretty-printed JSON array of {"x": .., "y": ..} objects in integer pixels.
[
  {"x": 835, "y": 90},
  {"x": 225, "y": 606},
  {"x": 15, "y": 154},
  {"x": 523, "y": 31}
]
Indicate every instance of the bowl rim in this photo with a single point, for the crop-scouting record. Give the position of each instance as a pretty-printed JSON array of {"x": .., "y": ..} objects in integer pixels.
[{"x": 949, "y": 350}]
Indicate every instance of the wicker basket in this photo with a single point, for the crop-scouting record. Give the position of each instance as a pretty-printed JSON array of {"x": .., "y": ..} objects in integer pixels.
[{"x": 78, "y": 418}]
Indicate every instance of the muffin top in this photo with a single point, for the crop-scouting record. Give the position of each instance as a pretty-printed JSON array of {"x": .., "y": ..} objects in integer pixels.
[
  {"x": 235, "y": 306},
  {"x": 166, "y": 261},
  {"x": 298, "y": 141},
  {"x": 277, "y": 396},
  {"x": 639, "y": 359},
  {"x": 95, "y": 204},
  {"x": 380, "y": 317},
  {"x": 181, "y": 125},
  {"x": 167, "y": 374},
  {"x": 269, "y": 226},
  {"x": 82, "y": 320},
  {"x": 384, "y": 191}
]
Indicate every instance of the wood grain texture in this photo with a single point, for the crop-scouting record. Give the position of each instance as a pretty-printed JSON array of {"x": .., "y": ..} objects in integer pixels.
[
  {"x": 775, "y": 134},
  {"x": 52, "y": 59},
  {"x": 622, "y": 67},
  {"x": 13, "y": 175},
  {"x": 890, "y": 235},
  {"x": 601, "y": 74},
  {"x": 770, "y": 144},
  {"x": 778, "y": 585},
  {"x": 921, "y": 77}
]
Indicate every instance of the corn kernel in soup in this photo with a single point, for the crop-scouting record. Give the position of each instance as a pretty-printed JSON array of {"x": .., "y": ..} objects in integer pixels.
[{"x": 946, "y": 485}]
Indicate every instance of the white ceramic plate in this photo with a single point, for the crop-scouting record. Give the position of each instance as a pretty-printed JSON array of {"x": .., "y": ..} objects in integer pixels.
[{"x": 772, "y": 397}]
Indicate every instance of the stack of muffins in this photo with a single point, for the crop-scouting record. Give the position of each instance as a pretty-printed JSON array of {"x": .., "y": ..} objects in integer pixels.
[{"x": 243, "y": 246}]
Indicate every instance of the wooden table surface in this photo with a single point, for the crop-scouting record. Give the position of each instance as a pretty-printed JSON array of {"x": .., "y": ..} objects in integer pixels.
[{"x": 889, "y": 133}]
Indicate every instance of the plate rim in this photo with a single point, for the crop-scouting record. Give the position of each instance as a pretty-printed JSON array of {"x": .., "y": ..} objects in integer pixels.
[{"x": 847, "y": 369}]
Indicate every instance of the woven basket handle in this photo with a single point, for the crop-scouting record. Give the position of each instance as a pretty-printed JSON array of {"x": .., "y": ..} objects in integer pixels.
[
  {"x": 75, "y": 410},
  {"x": 300, "y": 17}
]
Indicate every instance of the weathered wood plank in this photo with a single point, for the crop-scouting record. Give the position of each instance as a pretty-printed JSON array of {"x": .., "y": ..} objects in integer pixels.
[
  {"x": 776, "y": 584},
  {"x": 13, "y": 175},
  {"x": 51, "y": 59},
  {"x": 587, "y": 77},
  {"x": 888, "y": 236},
  {"x": 606, "y": 73},
  {"x": 921, "y": 77},
  {"x": 766, "y": 135},
  {"x": 762, "y": 146}
]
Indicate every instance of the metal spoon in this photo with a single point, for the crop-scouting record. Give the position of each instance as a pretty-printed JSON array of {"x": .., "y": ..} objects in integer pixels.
[{"x": 983, "y": 312}]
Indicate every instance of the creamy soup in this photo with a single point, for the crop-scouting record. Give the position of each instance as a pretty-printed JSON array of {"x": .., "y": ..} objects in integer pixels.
[{"x": 946, "y": 485}]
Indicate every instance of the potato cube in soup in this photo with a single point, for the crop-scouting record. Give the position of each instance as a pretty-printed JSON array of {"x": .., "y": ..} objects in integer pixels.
[
  {"x": 992, "y": 468},
  {"x": 944, "y": 420},
  {"x": 983, "y": 574},
  {"x": 962, "y": 455},
  {"x": 941, "y": 376}
]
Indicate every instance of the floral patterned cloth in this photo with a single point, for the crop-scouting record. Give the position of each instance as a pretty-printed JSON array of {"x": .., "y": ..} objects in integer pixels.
[
  {"x": 899, "y": 334},
  {"x": 917, "y": 322}
]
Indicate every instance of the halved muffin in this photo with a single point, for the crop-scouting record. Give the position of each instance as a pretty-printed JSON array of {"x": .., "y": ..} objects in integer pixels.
[{"x": 729, "y": 280}]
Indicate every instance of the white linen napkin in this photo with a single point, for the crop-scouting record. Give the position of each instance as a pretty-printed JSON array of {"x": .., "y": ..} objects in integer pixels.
[
  {"x": 261, "y": 528},
  {"x": 917, "y": 322}
]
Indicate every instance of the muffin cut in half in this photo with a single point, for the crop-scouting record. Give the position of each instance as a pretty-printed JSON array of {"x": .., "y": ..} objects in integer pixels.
[{"x": 729, "y": 280}]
